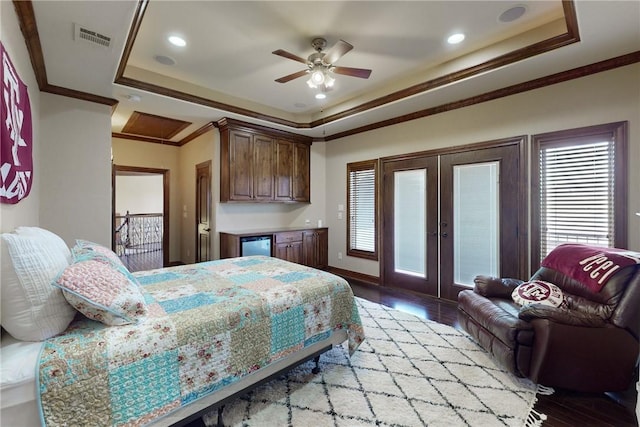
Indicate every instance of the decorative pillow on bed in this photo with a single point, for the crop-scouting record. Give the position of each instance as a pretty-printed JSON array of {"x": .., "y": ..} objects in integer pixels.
[
  {"x": 102, "y": 291},
  {"x": 538, "y": 292},
  {"x": 33, "y": 310},
  {"x": 85, "y": 249}
]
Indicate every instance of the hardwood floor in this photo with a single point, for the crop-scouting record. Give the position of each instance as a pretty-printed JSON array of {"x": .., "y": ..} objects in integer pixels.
[
  {"x": 142, "y": 261},
  {"x": 563, "y": 408}
]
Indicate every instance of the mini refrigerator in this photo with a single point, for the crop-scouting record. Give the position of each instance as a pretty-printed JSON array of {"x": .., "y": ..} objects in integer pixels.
[{"x": 255, "y": 245}]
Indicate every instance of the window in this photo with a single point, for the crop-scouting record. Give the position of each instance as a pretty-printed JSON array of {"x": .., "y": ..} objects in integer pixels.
[
  {"x": 579, "y": 188},
  {"x": 362, "y": 190}
]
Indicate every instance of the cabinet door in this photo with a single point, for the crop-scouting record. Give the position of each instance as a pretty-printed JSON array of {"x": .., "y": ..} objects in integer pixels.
[
  {"x": 301, "y": 172},
  {"x": 284, "y": 170},
  {"x": 291, "y": 251},
  {"x": 315, "y": 251},
  {"x": 263, "y": 167},
  {"x": 241, "y": 166}
]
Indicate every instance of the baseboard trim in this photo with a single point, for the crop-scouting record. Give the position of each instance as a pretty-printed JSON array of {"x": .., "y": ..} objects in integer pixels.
[{"x": 355, "y": 276}]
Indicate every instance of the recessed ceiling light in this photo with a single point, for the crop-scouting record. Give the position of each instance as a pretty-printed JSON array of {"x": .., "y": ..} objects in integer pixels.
[
  {"x": 455, "y": 38},
  {"x": 320, "y": 96},
  {"x": 512, "y": 13},
  {"x": 177, "y": 41}
]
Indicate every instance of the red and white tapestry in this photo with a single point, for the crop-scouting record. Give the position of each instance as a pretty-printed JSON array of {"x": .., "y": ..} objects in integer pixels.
[{"x": 16, "y": 135}]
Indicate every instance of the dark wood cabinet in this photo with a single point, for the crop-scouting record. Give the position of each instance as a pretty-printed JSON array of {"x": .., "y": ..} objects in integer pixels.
[
  {"x": 240, "y": 156},
  {"x": 288, "y": 246},
  {"x": 260, "y": 164},
  {"x": 307, "y": 246},
  {"x": 284, "y": 175},
  {"x": 301, "y": 191},
  {"x": 263, "y": 167},
  {"x": 315, "y": 248}
]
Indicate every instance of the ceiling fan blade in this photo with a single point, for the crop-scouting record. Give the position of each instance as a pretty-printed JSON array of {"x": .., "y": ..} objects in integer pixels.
[
  {"x": 288, "y": 55},
  {"x": 336, "y": 51},
  {"x": 292, "y": 76},
  {"x": 353, "y": 72}
]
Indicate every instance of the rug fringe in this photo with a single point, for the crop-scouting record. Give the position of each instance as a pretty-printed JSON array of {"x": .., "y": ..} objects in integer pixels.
[
  {"x": 544, "y": 390},
  {"x": 535, "y": 419}
]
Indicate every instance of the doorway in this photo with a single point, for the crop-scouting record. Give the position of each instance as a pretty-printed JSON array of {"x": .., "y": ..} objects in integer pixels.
[
  {"x": 140, "y": 237},
  {"x": 451, "y": 215}
]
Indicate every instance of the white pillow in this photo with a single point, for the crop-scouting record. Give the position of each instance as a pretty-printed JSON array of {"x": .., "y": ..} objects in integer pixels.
[
  {"x": 52, "y": 240},
  {"x": 33, "y": 309}
]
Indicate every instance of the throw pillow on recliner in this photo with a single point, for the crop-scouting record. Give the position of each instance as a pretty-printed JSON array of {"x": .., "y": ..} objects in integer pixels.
[{"x": 538, "y": 292}]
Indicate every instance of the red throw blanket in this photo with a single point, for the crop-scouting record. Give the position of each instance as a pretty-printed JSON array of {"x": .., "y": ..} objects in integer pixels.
[{"x": 592, "y": 266}]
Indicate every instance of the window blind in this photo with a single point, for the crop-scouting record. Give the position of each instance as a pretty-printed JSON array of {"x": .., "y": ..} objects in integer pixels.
[
  {"x": 362, "y": 215},
  {"x": 577, "y": 194}
]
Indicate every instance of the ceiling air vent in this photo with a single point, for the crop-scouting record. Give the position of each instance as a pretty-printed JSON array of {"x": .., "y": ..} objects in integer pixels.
[{"x": 93, "y": 37}]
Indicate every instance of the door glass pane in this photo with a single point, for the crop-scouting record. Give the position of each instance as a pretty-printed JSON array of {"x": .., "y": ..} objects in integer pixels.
[
  {"x": 410, "y": 193},
  {"x": 476, "y": 221}
]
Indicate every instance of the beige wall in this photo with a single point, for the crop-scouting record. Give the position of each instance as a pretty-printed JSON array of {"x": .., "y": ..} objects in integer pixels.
[
  {"x": 601, "y": 98},
  {"x": 27, "y": 211},
  {"x": 195, "y": 152},
  {"x": 138, "y": 194},
  {"x": 75, "y": 169}
]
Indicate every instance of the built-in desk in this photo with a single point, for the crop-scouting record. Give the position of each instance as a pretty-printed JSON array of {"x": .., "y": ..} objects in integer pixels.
[{"x": 307, "y": 246}]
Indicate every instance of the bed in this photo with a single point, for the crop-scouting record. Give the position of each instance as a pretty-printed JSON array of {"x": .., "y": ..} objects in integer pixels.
[{"x": 197, "y": 336}]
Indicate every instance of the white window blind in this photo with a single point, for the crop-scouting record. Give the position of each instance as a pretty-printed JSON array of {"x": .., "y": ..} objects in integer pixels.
[
  {"x": 362, "y": 209},
  {"x": 577, "y": 194}
]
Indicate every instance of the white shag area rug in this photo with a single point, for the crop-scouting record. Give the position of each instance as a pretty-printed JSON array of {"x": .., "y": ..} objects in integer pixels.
[{"x": 408, "y": 372}]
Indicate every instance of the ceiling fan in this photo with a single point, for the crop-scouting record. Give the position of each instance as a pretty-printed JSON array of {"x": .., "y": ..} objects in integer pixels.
[{"x": 320, "y": 64}]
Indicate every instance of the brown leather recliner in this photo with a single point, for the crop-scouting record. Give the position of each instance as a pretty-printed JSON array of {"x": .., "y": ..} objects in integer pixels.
[{"x": 591, "y": 345}]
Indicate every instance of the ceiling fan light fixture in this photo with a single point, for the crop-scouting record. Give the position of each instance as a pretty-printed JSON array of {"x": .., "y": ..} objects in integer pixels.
[
  {"x": 320, "y": 95},
  {"x": 317, "y": 76},
  {"x": 329, "y": 81}
]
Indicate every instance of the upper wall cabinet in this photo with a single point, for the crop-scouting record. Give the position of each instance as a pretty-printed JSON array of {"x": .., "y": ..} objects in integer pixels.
[{"x": 260, "y": 164}]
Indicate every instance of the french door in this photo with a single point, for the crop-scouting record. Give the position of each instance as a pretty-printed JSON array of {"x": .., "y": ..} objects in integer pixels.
[
  {"x": 410, "y": 224},
  {"x": 449, "y": 217}
]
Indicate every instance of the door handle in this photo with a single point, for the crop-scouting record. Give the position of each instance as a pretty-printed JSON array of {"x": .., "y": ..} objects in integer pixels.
[
  {"x": 207, "y": 230},
  {"x": 445, "y": 234}
]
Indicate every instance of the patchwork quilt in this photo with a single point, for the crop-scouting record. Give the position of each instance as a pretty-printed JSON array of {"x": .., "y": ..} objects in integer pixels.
[{"x": 208, "y": 325}]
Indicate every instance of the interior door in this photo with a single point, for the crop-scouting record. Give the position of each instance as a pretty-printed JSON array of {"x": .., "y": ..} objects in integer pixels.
[
  {"x": 410, "y": 224},
  {"x": 203, "y": 212}
]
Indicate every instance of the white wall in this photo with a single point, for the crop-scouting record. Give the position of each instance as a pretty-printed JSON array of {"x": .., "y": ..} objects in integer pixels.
[
  {"x": 76, "y": 168},
  {"x": 27, "y": 211},
  {"x": 139, "y": 194},
  {"x": 606, "y": 97}
]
